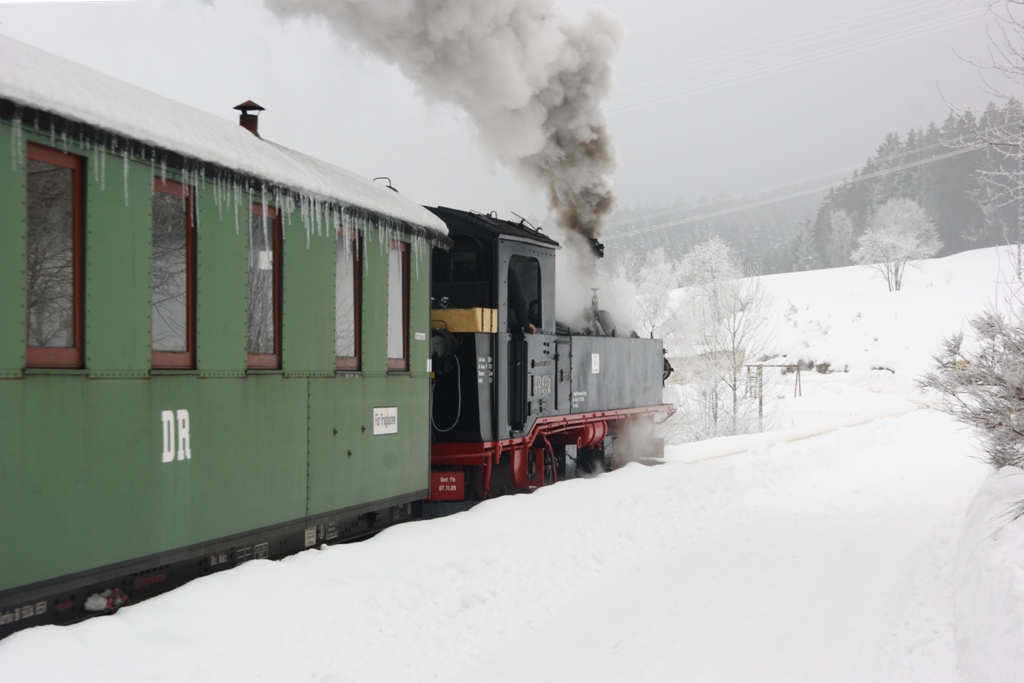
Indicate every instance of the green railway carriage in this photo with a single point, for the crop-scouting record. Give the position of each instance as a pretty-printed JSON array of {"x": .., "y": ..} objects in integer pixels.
[{"x": 212, "y": 349}]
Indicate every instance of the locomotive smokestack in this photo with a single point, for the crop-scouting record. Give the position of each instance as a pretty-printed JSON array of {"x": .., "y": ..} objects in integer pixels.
[
  {"x": 531, "y": 80},
  {"x": 249, "y": 121}
]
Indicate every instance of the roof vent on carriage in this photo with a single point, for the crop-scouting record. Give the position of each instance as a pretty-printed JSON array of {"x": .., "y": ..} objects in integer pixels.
[{"x": 247, "y": 120}]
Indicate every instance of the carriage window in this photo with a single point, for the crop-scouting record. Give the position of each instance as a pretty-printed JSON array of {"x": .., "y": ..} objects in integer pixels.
[
  {"x": 346, "y": 302},
  {"x": 523, "y": 293},
  {"x": 264, "y": 290},
  {"x": 398, "y": 306},
  {"x": 172, "y": 275},
  {"x": 54, "y": 265}
]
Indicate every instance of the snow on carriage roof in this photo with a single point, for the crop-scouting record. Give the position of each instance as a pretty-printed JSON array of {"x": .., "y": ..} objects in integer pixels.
[{"x": 41, "y": 80}]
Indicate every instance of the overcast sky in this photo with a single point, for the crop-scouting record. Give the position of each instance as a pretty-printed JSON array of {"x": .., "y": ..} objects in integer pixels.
[{"x": 711, "y": 95}]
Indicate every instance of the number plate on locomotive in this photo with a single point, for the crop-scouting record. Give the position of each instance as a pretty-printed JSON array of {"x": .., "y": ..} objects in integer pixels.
[{"x": 447, "y": 486}]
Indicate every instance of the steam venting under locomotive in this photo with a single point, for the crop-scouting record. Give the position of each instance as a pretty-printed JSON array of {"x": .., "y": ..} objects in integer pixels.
[{"x": 520, "y": 400}]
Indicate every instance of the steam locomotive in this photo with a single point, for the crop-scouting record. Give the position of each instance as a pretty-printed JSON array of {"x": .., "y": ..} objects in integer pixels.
[
  {"x": 524, "y": 400},
  {"x": 215, "y": 349}
]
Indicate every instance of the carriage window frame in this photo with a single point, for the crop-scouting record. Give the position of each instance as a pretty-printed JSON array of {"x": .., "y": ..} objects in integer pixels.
[
  {"x": 72, "y": 356},
  {"x": 350, "y": 362},
  {"x": 266, "y": 361},
  {"x": 399, "y": 363},
  {"x": 180, "y": 360}
]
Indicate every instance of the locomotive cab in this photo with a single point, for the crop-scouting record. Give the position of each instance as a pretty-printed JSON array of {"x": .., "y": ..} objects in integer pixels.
[{"x": 493, "y": 301}]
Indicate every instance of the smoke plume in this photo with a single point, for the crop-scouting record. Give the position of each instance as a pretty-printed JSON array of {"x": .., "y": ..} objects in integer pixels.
[{"x": 530, "y": 80}]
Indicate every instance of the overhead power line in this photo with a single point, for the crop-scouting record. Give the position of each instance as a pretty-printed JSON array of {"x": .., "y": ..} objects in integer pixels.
[
  {"x": 773, "y": 67},
  {"x": 772, "y": 200},
  {"x": 792, "y": 183},
  {"x": 864, "y": 19},
  {"x": 970, "y": 143}
]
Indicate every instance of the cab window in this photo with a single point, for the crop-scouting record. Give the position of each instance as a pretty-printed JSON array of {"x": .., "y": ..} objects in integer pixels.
[{"x": 523, "y": 293}]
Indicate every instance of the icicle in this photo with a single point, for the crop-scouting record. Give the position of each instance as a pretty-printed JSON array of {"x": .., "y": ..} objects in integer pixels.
[
  {"x": 126, "y": 159},
  {"x": 313, "y": 214},
  {"x": 93, "y": 167},
  {"x": 218, "y": 197},
  {"x": 365, "y": 242},
  {"x": 313, "y": 227},
  {"x": 321, "y": 217},
  {"x": 419, "y": 249},
  {"x": 17, "y": 153},
  {"x": 225, "y": 190},
  {"x": 314, "y": 217},
  {"x": 275, "y": 199},
  {"x": 236, "y": 191},
  {"x": 351, "y": 240},
  {"x": 263, "y": 215},
  {"x": 195, "y": 200},
  {"x": 101, "y": 151},
  {"x": 193, "y": 178}
]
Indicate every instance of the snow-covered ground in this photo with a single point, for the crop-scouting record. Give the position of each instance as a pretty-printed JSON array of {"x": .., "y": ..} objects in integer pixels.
[{"x": 832, "y": 548}]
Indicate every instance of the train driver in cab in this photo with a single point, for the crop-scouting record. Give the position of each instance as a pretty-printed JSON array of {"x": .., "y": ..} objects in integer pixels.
[{"x": 518, "y": 308}]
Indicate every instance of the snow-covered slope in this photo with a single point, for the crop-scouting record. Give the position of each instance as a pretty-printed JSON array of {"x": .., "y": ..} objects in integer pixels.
[
  {"x": 822, "y": 551},
  {"x": 848, "y": 318}
]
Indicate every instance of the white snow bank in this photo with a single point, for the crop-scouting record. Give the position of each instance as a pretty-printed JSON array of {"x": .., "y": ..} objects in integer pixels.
[
  {"x": 823, "y": 560},
  {"x": 989, "y": 580},
  {"x": 38, "y": 79}
]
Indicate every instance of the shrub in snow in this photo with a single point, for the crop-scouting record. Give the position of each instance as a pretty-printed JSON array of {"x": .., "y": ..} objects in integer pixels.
[{"x": 984, "y": 387}]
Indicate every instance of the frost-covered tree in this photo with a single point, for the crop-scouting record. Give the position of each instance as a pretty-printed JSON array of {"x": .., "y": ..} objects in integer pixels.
[
  {"x": 655, "y": 313},
  {"x": 803, "y": 255},
  {"x": 726, "y": 322},
  {"x": 898, "y": 233},
  {"x": 1006, "y": 141},
  {"x": 984, "y": 385},
  {"x": 707, "y": 264},
  {"x": 840, "y": 238}
]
